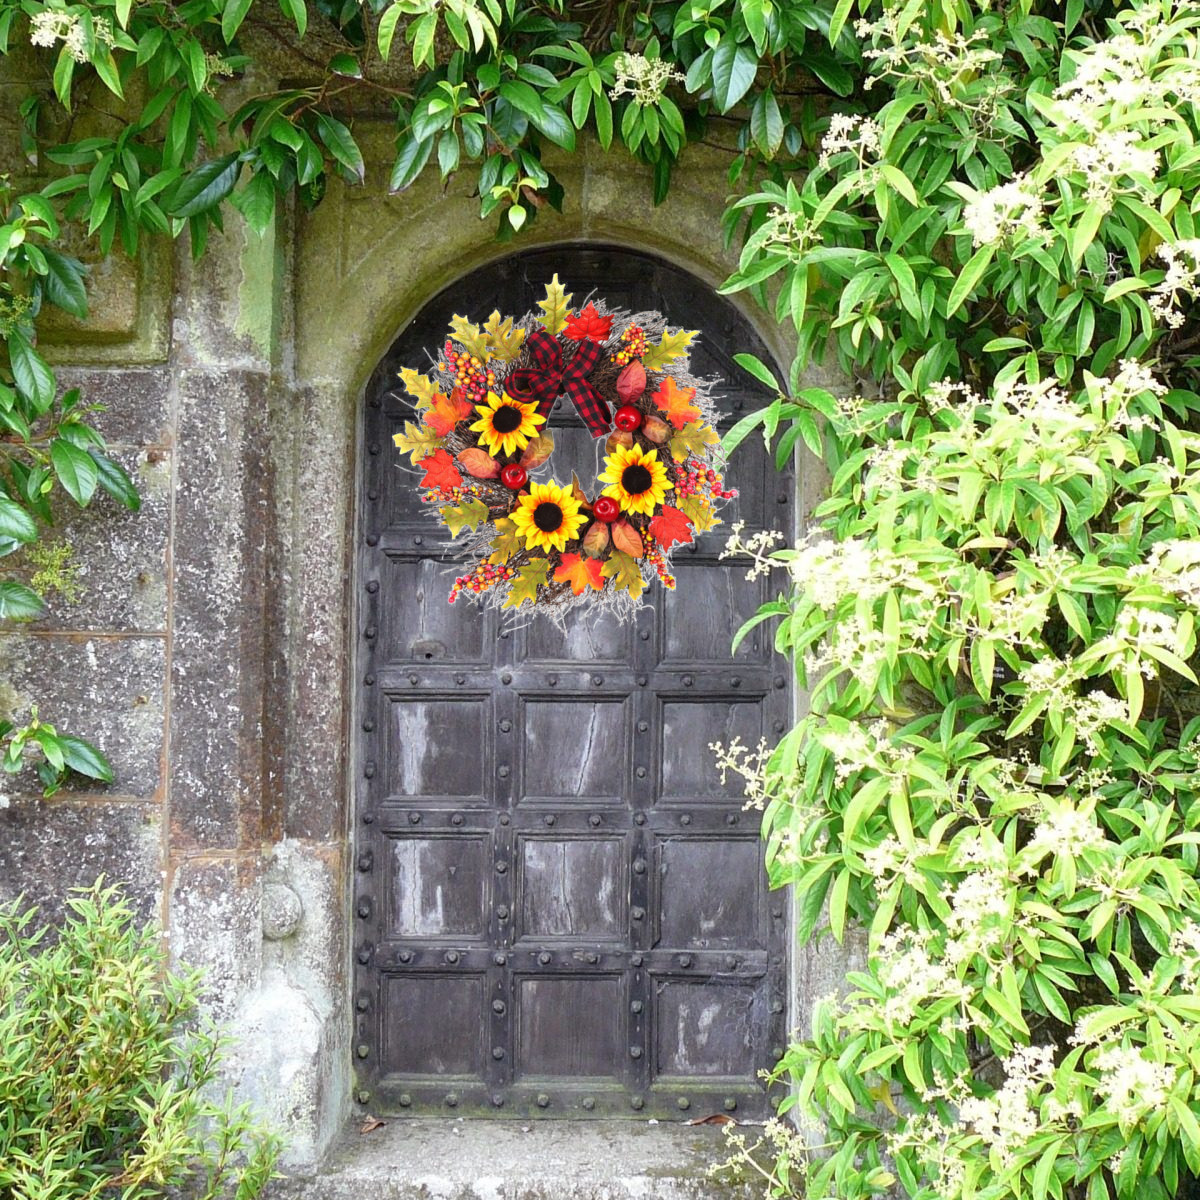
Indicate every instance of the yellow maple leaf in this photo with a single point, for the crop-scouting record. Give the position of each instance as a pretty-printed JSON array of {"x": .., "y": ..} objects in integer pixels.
[
  {"x": 469, "y": 336},
  {"x": 624, "y": 571},
  {"x": 417, "y": 441},
  {"x": 672, "y": 346},
  {"x": 692, "y": 439},
  {"x": 505, "y": 341},
  {"x": 555, "y": 306},
  {"x": 506, "y": 542},
  {"x": 420, "y": 387},
  {"x": 525, "y": 587}
]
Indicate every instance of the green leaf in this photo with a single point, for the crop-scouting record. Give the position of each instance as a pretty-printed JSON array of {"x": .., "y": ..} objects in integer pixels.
[
  {"x": 206, "y": 186},
  {"x": 734, "y": 67},
  {"x": 838, "y": 18},
  {"x": 76, "y": 470},
  {"x": 387, "y": 30},
  {"x": 553, "y": 123},
  {"x": 256, "y": 202},
  {"x": 15, "y": 523},
  {"x": 298, "y": 11},
  {"x": 33, "y": 376},
  {"x": 232, "y": 17},
  {"x": 113, "y": 478},
  {"x": 757, "y": 368},
  {"x": 346, "y": 64},
  {"x": 19, "y": 603},
  {"x": 63, "y": 282},
  {"x": 766, "y": 123},
  {"x": 522, "y": 97},
  {"x": 970, "y": 276},
  {"x": 83, "y": 757},
  {"x": 410, "y": 162},
  {"x": 341, "y": 144}
]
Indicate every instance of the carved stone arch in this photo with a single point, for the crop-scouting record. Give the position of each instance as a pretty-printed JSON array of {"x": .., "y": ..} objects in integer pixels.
[{"x": 535, "y": 935}]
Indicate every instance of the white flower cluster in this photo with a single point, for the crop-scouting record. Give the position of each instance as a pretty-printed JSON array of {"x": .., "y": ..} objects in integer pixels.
[
  {"x": 645, "y": 79},
  {"x": 1007, "y": 1120},
  {"x": 1182, "y": 276},
  {"x": 1174, "y": 567},
  {"x": 860, "y": 135},
  {"x": 1009, "y": 210},
  {"x": 980, "y": 915},
  {"x": 58, "y": 25},
  {"x": 1185, "y": 945},
  {"x": 914, "y": 973},
  {"x": 1134, "y": 1084},
  {"x": 1142, "y": 628},
  {"x": 757, "y": 546},
  {"x": 750, "y": 765},
  {"x": 789, "y": 234},
  {"x": 940, "y": 67},
  {"x": 1065, "y": 831},
  {"x": 1091, "y": 713},
  {"x": 1111, "y": 156}
]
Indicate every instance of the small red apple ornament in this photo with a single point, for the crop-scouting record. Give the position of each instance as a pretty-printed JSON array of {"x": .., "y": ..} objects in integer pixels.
[
  {"x": 628, "y": 418},
  {"x": 606, "y": 509},
  {"x": 514, "y": 476}
]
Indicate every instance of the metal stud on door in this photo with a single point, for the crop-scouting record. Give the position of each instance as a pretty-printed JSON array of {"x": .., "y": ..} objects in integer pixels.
[{"x": 559, "y": 909}]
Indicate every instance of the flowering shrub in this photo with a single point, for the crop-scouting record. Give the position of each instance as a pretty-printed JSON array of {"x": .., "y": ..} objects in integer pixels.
[{"x": 994, "y": 611}]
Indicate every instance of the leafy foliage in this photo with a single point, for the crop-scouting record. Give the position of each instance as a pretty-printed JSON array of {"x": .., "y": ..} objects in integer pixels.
[{"x": 104, "y": 1073}]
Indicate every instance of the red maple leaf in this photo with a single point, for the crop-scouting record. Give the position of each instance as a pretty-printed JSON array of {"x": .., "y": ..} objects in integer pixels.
[
  {"x": 676, "y": 402},
  {"x": 588, "y": 324},
  {"x": 581, "y": 573},
  {"x": 440, "y": 471},
  {"x": 447, "y": 411},
  {"x": 671, "y": 526}
]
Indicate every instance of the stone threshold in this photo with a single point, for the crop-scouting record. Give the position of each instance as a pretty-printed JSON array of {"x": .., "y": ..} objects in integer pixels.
[{"x": 513, "y": 1160}]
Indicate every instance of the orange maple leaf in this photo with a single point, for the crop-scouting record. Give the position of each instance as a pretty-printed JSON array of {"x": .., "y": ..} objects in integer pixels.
[
  {"x": 588, "y": 324},
  {"x": 440, "y": 471},
  {"x": 447, "y": 411},
  {"x": 671, "y": 526},
  {"x": 676, "y": 402},
  {"x": 581, "y": 573}
]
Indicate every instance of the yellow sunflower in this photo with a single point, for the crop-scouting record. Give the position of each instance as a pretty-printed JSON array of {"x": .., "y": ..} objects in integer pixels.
[
  {"x": 637, "y": 480},
  {"x": 547, "y": 516},
  {"x": 505, "y": 425}
]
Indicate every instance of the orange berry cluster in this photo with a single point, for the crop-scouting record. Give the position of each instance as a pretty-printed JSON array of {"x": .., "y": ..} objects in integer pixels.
[
  {"x": 633, "y": 345},
  {"x": 479, "y": 580},
  {"x": 698, "y": 480},
  {"x": 470, "y": 373},
  {"x": 655, "y": 559}
]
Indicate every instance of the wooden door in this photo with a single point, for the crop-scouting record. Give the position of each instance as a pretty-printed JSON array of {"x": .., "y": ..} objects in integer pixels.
[{"x": 559, "y": 909}]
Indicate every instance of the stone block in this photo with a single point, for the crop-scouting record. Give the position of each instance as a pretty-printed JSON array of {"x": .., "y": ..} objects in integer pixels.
[
  {"x": 105, "y": 688},
  {"x": 114, "y": 579},
  {"x": 217, "y": 619},
  {"x": 214, "y": 923},
  {"x": 50, "y": 846},
  {"x": 137, "y": 402},
  {"x": 309, "y": 653}
]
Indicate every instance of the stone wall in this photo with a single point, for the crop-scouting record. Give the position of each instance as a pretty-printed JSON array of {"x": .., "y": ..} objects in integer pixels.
[{"x": 211, "y": 652}]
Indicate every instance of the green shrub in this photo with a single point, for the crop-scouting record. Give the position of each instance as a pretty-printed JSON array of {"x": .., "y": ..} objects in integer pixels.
[{"x": 105, "y": 1075}]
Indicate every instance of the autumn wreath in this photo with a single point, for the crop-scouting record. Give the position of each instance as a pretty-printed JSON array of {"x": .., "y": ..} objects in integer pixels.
[{"x": 480, "y": 437}]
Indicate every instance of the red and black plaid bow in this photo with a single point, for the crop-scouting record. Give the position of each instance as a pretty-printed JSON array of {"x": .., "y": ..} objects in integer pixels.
[{"x": 548, "y": 378}]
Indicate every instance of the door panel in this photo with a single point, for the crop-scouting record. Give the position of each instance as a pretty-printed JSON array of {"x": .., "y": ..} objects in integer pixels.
[{"x": 560, "y": 910}]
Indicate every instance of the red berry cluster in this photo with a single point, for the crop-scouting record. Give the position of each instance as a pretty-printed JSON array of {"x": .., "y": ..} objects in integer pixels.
[
  {"x": 697, "y": 480},
  {"x": 470, "y": 373},
  {"x": 633, "y": 345},
  {"x": 483, "y": 577},
  {"x": 655, "y": 559}
]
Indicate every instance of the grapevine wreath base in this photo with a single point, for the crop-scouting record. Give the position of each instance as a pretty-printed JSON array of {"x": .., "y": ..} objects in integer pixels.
[{"x": 481, "y": 444}]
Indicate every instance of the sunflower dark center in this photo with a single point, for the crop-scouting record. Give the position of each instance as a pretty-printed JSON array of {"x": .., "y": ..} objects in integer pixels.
[
  {"x": 506, "y": 419},
  {"x": 636, "y": 479},
  {"x": 547, "y": 516}
]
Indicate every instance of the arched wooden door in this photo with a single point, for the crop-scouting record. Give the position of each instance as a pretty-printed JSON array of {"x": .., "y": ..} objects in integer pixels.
[{"x": 560, "y": 910}]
